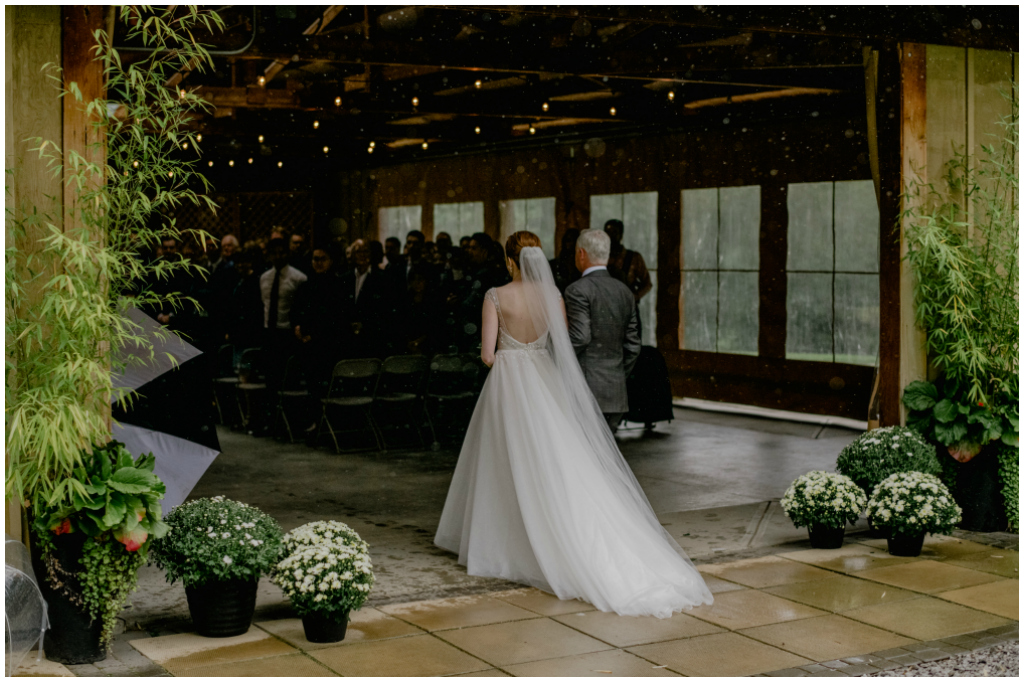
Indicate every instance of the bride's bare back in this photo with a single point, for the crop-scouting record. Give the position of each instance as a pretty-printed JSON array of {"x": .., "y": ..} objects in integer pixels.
[{"x": 514, "y": 317}]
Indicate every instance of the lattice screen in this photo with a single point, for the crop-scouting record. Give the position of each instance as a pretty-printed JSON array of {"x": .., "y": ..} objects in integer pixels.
[{"x": 250, "y": 215}]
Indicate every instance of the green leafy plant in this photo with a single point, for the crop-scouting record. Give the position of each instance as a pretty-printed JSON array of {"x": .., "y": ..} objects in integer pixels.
[
  {"x": 940, "y": 411},
  {"x": 879, "y": 453},
  {"x": 119, "y": 512},
  {"x": 213, "y": 539},
  {"x": 1009, "y": 473},
  {"x": 326, "y": 570},
  {"x": 913, "y": 503},
  {"x": 821, "y": 497}
]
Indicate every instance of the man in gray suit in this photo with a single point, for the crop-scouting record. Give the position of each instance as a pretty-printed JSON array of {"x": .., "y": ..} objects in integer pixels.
[{"x": 603, "y": 326}]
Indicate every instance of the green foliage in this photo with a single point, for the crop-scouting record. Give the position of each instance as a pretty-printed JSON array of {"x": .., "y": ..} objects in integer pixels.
[
  {"x": 326, "y": 569},
  {"x": 913, "y": 503},
  {"x": 109, "y": 575},
  {"x": 1009, "y": 474},
  {"x": 963, "y": 243},
  {"x": 822, "y": 497},
  {"x": 879, "y": 453},
  {"x": 72, "y": 270},
  {"x": 217, "y": 539}
]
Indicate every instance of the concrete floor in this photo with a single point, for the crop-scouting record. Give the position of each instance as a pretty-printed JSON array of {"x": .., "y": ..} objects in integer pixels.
[{"x": 712, "y": 478}]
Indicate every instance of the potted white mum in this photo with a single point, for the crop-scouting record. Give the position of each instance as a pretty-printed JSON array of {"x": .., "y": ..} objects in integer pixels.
[
  {"x": 824, "y": 502},
  {"x": 326, "y": 573},
  {"x": 908, "y": 506}
]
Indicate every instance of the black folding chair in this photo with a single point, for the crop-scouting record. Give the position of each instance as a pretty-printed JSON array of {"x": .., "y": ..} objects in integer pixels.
[
  {"x": 251, "y": 383},
  {"x": 400, "y": 394},
  {"x": 225, "y": 381},
  {"x": 450, "y": 385},
  {"x": 293, "y": 392},
  {"x": 353, "y": 384}
]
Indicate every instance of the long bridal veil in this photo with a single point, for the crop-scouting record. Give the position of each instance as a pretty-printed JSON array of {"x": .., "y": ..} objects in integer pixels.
[{"x": 544, "y": 304}]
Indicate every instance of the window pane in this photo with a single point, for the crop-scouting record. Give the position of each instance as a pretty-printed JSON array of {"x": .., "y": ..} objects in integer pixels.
[
  {"x": 700, "y": 229},
  {"x": 737, "y": 312},
  {"x": 809, "y": 317},
  {"x": 740, "y": 228},
  {"x": 649, "y": 314},
  {"x": 446, "y": 219},
  {"x": 857, "y": 319},
  {"x": 856, "y": 227},
  {"x": 640, "y": 220},
  {"x": 471, "y": 219},
  {"x": 398, "y": 221},
  {"x": 604, "y": 207},
  {"x": 535, "y": 215},
  {"x": 700, "y": 310},
  {"x": 810, "y": 226}
]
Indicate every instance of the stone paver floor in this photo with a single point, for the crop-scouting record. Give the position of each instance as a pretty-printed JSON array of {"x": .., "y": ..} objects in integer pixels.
[{"x": 850, "y": 611}]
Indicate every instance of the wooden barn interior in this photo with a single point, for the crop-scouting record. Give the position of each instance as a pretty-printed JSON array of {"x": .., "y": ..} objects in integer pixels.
[{"x": 756, "y": 155}]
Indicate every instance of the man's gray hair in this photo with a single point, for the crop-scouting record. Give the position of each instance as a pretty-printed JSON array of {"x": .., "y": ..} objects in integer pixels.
[{"x": 597, "y": 244}]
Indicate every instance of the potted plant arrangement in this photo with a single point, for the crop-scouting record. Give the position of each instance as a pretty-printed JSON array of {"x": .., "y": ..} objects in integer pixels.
[
  {"x": 326, "y": 573},
  {"x": 91, "y": 548},
  {"x": 824, "y": 502},
  {"x": 218, "y": 548},
  {"x": 877, "y": 454},
  {"x": 963, "y": 248},
  {"x": 72, "y": 268},
  {"x": 909, "y": 505}
]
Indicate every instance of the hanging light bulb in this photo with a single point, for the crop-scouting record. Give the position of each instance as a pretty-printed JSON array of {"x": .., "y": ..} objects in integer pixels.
[
  {"x": 210, "y": 164},
  {"x": 135, "y": 164},
  {"x": 544, "y": 106},
  {"x": 671, "y": 95},
  {"x": 250, "y": 159},
  {"x": 372, "y": 144},
  {"x": 415, "y": 101},
  {"x": 478, "y": 130},
  {"x": 316, "y": 124},
  {"x": 170, "y": 174},
  {"x": 199, "y": 137},
  {"x": 337, "y": 101},
  {"x": 279, "y": 164},
  {"x": 185, "y": 146},
  {"x": 533, "y": 131},
  {"x": 326, "y": 149},
  {"x": 231, "y": 163},
  {"x": 478, "y": 84},
  {"x": 612, "y": 111},
  {"x": 261, "y": 139},
  {"x": 181, "y": 94},
  {"x": 369, "y": 149},
  {"x": 424, "y": 145},
  {"x": 262, "y": 81}
]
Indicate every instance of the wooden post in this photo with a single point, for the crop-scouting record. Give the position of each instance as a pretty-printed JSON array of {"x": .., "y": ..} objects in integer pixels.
[
  {"x": 670, "y": 243},
  {"x": 79, "y": 22}
]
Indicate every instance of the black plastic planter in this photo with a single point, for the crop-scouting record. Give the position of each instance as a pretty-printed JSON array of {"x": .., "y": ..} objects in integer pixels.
[
  {"x": 979, "y": 491},
  {"x": 321, "y": 629},
  {"x": 906, "y": 545},
  {"x": 826, "y": 537},
  {"x": 222, "y": 608}
]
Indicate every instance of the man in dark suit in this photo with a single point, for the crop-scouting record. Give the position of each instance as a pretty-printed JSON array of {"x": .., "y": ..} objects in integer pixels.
[
  {"x": 368, "y": 305},
  {"x": 603, "y": 326}
]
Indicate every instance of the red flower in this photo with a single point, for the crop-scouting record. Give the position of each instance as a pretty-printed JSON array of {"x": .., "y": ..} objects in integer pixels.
[
  {"x": 62, "y": 527},
  {"x": 981, "y": 404}
]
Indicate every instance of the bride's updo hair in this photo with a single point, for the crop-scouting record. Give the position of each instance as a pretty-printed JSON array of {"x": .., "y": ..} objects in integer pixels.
[{"x": 519, "y": 241}]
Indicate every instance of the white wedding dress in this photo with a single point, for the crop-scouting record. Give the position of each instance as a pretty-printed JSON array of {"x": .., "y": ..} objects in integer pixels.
[{"x": 541, "y": 494}]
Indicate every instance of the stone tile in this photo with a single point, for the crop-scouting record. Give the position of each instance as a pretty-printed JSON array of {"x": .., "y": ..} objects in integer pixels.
[
  {"x": 504, "y": 644},
  {"x": 840, "y": 593},
  {"x": 30, "y": 667},
  {"x": 541, "y": 602},
  {"x": 490, "y": 672},
  {"x": 1004, "y": 562},
  {"x": 208, "y": 650},
  {"x": 836, "y": 664},
  {"x": 292, "y": 665},
  {"x": 860, "y": 669},
  {"x": 717, "y": 585},
  {"x": 366, "y": 625},
  {"x": 829, "y": 673},
  {"x": 614, "y": 663},
  {"x": 765, "y": 571},
  {"x": 749, "y": 608},
  {"x": 813, "y": 668},
  {"x": 421, "y": 656},
  {"x": 849, "y": 558},
  {"x": 908, "y": 659},
  {"x": 825, "y": 638},
  {"x": 892, "y": 653},
  {"x": 946, "y": 547},
  {"x": 925, "y": 618},
  {"x": 723, "y": 655},
  {"x": 457, "y": 612},
  {"x": 932, "y": 655},
  {"x": 927, "y": 576},
  {"x": 1001, "y": 598},
  {"x": 623, "y": 631},
  {"x": 788, "y": 672}
]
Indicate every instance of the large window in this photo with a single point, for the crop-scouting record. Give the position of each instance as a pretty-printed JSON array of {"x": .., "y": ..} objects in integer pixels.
[
  {"x": 398, "y": 221},
  {"x": 832, "y": 272},
  {"x": 459, "y": 220},
  {"x": 638, "y": 212},
  {"x": 721, "y": 257},
  {"x": 535, "y": 215}
]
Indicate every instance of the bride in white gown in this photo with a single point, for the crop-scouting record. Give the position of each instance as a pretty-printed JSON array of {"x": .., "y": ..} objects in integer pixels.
[{"x": 541, "y": 494}]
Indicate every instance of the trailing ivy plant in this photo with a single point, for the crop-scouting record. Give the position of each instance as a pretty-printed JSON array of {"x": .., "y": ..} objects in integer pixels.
[
  {"x": 963, "y": 240},
  {"x": 72, "y": 271}
]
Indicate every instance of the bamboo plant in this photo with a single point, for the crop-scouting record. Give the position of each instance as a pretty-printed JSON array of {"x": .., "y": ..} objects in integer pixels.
[{"x": 71, "y": 272}]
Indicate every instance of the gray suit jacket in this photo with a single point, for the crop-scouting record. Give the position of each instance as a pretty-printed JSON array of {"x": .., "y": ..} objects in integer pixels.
[{"x": 604, "y": 330}]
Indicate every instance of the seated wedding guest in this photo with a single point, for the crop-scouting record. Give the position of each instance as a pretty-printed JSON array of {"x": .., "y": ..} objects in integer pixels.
[
  {"x": 627, "y": 266},
  {"x": 464, "y": 242},
  {"x": 318, "y": 318},
  {"x": 226, "y": 256},
  {"x": 278, "y": 287},
  {"x": 443, "y": 241},
  {"x": 563, "y": 268},
  {"x": 367, "y": 304},
  {"x": 420, "y": 318}
]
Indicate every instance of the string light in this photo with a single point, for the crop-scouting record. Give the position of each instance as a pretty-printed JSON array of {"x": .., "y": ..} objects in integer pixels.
[
  {"x": 250, "y": 159},
  {"x": 185, "y": 146},
  {"x": 372, "y": 144},
  {"x": 231, "y": 163},
  {"x": 135, "y": 164},
  {"x": 170, "y": 174},
  {"x": 415, "y": 101},
  {"x": 337, "y": 101},
  {"x": 199, "y": 137},
  {"x": 544, "y": 106},
  {"x": 533, "y": 130},
  {"x": 424, "y": 145},
  {"x": 262, "y": 81},
  {"x": 181, "y": 93},
  {"x": 280, "y": 163},
  {"x": 210, "y": 164},
  {"x": 478, "y": 85},
  {"x": 316, "y": 124},
  {"x": 478, "y": 130},
  {"x": 612, "y": 111},
  {"x": 671, "y": 95},
  {"x": 369, "y": 149},
  {"x": 261, "y": 139},
  {"x": 326, "y": 149}
]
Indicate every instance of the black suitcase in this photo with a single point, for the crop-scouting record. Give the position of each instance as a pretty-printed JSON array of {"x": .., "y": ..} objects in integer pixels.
[{"x": 648, "y": 389}]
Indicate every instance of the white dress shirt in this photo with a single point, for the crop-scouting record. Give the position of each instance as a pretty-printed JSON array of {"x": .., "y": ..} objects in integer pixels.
[
  {"x": 594, "y": 268},
  {"x": 291, "y": 279}
]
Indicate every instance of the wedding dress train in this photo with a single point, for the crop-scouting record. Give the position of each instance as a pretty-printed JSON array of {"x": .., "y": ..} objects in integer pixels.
[{"x": 539, "y": 498}]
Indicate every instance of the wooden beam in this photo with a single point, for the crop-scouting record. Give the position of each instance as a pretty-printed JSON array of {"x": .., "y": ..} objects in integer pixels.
[
  {"x": 250, "y": 97},
  {"x": 759, "y": 96},
  {"x": 313, "y": 29}
]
